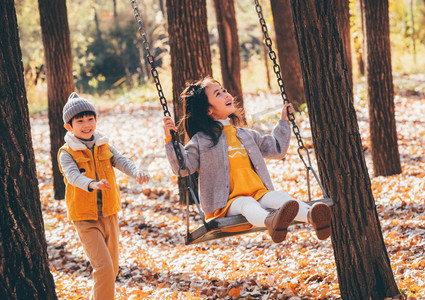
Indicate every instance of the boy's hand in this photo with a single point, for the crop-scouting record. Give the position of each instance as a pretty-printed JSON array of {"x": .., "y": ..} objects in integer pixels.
[
  {"x": 100, "y": 185},
  {"x": 168, "y": 126},
  {"x": 284, "y": 114},
  {"x": 143, "y": 177}
]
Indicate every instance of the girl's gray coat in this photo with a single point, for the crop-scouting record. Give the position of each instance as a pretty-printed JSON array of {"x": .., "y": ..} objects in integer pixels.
[{"x": 212, "y": 163}]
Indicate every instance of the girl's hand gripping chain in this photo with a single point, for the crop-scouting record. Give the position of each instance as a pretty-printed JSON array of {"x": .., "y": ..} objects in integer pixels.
[
  {"x": 284, "y": 114},
  {"x": 168, "y": 126}
]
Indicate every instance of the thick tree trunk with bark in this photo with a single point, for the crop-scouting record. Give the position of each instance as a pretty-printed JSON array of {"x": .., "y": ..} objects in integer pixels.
[
  {"x": 229, "y": 49},
  {"x": 189, "y": 45},
  {"x": 24, "y": 267},
  {"x": 363, "y": 266},
  {"x": 343, "y": 10},
  {"x": 287, "y": 51},
  {"x": 190, "y": 51},
  {"x": 60, "y": 82},
  {"x": 383, "y": 131}
]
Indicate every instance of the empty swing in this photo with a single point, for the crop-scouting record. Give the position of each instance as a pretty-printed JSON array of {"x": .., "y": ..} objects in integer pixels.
[{"x": 234, "y": 225}]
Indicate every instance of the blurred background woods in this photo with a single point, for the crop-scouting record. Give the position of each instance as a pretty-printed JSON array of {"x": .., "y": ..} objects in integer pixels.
[{"x": 108, "y": 56}]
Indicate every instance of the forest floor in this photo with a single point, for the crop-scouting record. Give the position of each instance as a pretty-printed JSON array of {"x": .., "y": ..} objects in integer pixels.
[{"x": 156, "y": 264}]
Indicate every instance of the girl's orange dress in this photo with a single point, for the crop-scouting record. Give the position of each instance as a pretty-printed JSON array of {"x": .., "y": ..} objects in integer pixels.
[{"x": 244, "y": 181}]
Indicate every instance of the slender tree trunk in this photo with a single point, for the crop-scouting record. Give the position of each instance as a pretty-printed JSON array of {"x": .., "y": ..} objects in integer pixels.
[
  {"x": 24, "y": 267},
  {"x": 161, "y": 7},
  {"x": 190, "y": 51},
  {"x": 266, "y": 64},
  {"x": 60, "y": 82},
  {"x": 412, "y": 18},
  {"x": 287, "y": 51},
  {"x": 96, "y": 21},
  {"x": 363, "y": 266},
  {"x": 383, "y": 132},
  {"x": 229, "y": 49},
  {"x": 358, "y": 38},
  {"x": 115, "y": 10}
]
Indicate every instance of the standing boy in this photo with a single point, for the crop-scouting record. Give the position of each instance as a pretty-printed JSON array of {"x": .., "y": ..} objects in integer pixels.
[{"x": 92, "y": 194}]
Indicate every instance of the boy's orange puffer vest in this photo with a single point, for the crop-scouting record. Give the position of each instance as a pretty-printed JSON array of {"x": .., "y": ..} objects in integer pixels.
[{"x": 82, "y": 205}]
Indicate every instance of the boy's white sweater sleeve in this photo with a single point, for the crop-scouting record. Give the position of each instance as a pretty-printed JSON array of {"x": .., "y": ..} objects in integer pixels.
[
  {"x": 72, "y": 173},
  {"x": 123, "y": 164}
]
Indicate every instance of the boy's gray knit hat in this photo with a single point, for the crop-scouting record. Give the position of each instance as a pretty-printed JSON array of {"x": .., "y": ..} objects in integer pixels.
[{"x": 74, "y": 106}]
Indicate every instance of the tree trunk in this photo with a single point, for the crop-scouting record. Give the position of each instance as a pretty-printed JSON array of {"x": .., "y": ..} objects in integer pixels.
[
  {"x": 412, "y": 19},
  {"x": 266, "y": 65},
  {"x": 343, "y": 10},
  {"x": 189, "y": 50},
  {"x": 229, "y": 50},
  {"x": 114, "y": 2},
  {"x": 358, "y": 38},
  {"x": 23, "y": 250},
  {"x": 287, "y": 52},
  {"x": 96, "y": 21},
  {"x": 383, "y": 132},
  {"x": 60, "y": 82},
  {"x": 363, "y": 266}
]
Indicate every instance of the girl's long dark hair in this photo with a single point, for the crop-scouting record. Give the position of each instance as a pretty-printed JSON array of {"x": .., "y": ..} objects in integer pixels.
[{"x": 196, "y": 116}]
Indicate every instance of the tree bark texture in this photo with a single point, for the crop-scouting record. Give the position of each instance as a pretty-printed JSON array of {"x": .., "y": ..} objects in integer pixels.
[
  {"x": 229, "y": 49},
  {"x": 383, "y": 131},
  {"x": 363, "y": 266},
  {"x": 60, "y": 82},
  {"x": 189, "y": 45},
  {"x": 287, "y": 51},
  {"x": 24, "y": 267},
  {"x": 343, "y": 10},
  {"x": 190, "y": 54}
]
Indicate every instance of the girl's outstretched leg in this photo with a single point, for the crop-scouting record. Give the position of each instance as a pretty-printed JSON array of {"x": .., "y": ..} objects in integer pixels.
[
  {"x": 276, "y": 199},
  {"x": 319, "y": 217},
  {"x": 276, "y": 222},
  {"x": 250, "y": 209}
]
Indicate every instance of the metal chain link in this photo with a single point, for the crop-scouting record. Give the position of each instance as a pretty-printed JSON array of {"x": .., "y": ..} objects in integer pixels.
[
  {"x": 158, "y": 86},
  {"x": 291, "y": 116},
  {"x": 276, "y": 69},
  {"x": 175, "y": 139}
]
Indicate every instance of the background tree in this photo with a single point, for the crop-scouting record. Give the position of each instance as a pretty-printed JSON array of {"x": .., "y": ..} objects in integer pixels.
[
  {"x": 60, "y": 82},
  {"x": 23, "y": 251},
  {"x": 383, "y": 132},
  {"x": 190, "y": 51},
  {"x": 364, "y": 270},
  {"x": 229, "y": 48},
  {"x": 287, "y": 51}
]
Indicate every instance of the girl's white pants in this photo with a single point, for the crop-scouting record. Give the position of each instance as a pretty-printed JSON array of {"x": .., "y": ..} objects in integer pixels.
[{"x": 255, "y": 211}]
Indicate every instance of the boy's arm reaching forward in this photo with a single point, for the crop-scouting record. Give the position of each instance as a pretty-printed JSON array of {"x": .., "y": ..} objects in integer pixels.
[{"x": 125, "y": 165}]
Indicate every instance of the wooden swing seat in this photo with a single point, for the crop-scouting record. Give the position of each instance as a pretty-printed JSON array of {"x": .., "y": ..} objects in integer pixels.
[{"x": 224, "y": 227}]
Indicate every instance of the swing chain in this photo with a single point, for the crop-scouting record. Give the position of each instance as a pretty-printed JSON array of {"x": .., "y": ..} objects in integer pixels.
[
  {"x": 276, "y": 69},
  {"x": 150, "y": 58},
  {"x": 163, "y": 100},
  {"x": 291, "y": 116},
  {"x": 155, "y": 76}
]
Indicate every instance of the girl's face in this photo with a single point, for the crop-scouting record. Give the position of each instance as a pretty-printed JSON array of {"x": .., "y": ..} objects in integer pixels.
[{"x": 220, "y": 101}]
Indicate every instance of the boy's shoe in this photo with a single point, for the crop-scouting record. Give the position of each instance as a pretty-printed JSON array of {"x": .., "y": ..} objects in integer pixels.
[
  {"x": 320, "y": 217},
  {"x": 278, "y": 220}
]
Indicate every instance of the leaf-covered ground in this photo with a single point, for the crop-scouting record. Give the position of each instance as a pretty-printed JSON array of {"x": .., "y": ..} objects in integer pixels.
[{"x": 155, "y": 263}]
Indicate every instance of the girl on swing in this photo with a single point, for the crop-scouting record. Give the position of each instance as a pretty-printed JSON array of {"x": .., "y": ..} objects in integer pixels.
[{"x": 233, "y": 177}]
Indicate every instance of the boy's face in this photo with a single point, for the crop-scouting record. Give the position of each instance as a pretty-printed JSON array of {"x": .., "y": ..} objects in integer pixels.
[{"x": 82, "y": 128}]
